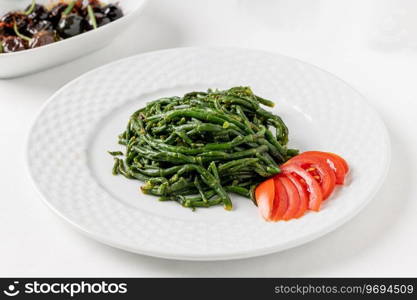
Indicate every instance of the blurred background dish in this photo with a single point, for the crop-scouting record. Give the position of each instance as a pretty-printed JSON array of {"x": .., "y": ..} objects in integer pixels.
[{"x": 33, "y": 60}]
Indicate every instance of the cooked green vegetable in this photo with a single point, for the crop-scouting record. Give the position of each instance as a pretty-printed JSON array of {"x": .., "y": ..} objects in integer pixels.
[
  {"x": 196, "y": 149},
  {"x": 92, "y": 16}
]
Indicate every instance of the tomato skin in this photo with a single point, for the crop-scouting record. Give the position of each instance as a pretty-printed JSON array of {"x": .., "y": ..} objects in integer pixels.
[
  {"x": 342, "y": 160},
  {"x": 265, "y": 196},
  {"x": 292, "y": 195},
  {"x": 303, "y": 194},
  {"x": 281, "y": 201},
  {"x": 327, "y": 175},
  {"x": 304, "y": 182},
  {"x": 335, "y": 162},
  {"x": 314, "y": 188}
]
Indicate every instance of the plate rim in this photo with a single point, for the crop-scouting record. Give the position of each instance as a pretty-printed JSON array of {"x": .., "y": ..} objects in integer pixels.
[{"x": 214, "y": 257}]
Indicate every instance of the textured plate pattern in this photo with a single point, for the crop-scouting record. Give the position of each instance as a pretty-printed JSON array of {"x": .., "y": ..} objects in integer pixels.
[{"x": 58, "y": 150}]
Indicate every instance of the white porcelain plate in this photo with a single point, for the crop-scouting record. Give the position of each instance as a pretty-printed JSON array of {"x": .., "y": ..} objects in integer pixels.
[{"x": 69, "y": 163}]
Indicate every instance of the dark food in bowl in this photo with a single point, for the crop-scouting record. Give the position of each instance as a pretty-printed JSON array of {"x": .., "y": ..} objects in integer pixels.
[
  {"x": 112, "y": 11},
  {"x": 71, "y": 25},
  {"x": 13, "y": 44},
  {"x": 42, "y": 38},
  {"x": 40, "y": 25},
  {"x": 38, "y": 12},
  {"x": 55, "y": 13}
]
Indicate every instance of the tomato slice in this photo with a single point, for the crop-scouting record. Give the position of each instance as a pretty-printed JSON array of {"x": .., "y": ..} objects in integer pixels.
[
  {"x": 314, "y": 189},
  {"x": 339, "y": 158},
  {"x": 292, "y": 195},
  {"x": 326, "y": 174},
  {"x": 265, "y": 196},
  {"x": 281, "y": 201},
  {"x": 334, "y": 161},
  {"x": 302, "y": 193}
]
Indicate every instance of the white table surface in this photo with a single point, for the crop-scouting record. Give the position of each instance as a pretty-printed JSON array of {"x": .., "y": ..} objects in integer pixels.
[{"x": 372, "y": 47}]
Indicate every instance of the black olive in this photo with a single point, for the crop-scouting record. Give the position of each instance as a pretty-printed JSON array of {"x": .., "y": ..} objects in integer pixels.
[
  {"x": 112, "y": 11},
  {"x": 101, "y": 19},
  {"x": 20, "y": 19},
  {"x": 43, "y": 38},
  {"x": 42, "y": 25},
  {"x": 71, "y": 25},
  {"x": 13, "y": 44},
  {"x": 39, "y": 12},
  {"x": 56, "y": 12}
]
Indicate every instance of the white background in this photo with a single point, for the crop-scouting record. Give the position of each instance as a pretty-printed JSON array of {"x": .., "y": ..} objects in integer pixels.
[{"x": 371, "y": 44}]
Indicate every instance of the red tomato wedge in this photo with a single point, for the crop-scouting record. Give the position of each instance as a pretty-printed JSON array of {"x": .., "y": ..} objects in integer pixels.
[
  {"x": 305, "y": 181},
  {"x": 265, "y": 196},
  {"x": 281, "y": 201},
  {"x": 339, "y": 158},
  {"x": 326, "y": 174},
  {"x": 292, "y": 195},
  {"x": 302, "y": 193},
  {"x": 314, "y": 189},
  {"x": 335, "y": 162}
]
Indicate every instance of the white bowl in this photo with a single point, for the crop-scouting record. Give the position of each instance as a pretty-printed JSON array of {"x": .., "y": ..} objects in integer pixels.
[{"x": 34, "y": 60}]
